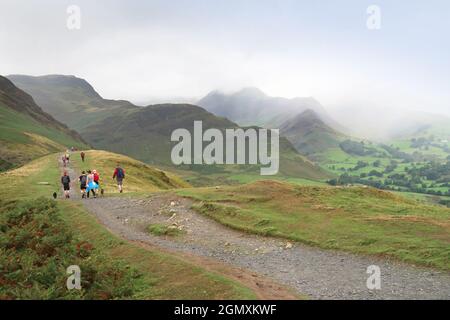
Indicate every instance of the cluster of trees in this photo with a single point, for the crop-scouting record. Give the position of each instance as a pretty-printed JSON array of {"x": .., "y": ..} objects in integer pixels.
[
  {"x": 445, "y": 203},
  {"x": 425, "y": 143},
  {"x": 397, "y": 154},
  {"x": 346, "y": 179},
  {"x": 377, "y": 164},
  {"x": 357, "y": 148},
  {"x": 413, "y": 180},
  {"x": 360, "y": 165},
  {"x": 421, "y": 143},
  {"x": 391, "y": 167},
  {"x": 432, "y": 171}
]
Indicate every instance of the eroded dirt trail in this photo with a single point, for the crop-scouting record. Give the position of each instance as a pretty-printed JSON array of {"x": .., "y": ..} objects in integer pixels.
[{"x": 321, "y": 274}]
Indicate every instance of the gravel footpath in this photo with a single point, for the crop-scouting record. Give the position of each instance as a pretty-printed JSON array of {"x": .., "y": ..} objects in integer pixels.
[
  {"x": 263, "y": 287},
  {"x": 320, "y": 274}
]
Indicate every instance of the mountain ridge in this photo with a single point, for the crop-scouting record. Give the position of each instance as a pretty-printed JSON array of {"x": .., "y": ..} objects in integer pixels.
[
  {"x": 28, "y": 132},
  {"x": 309, "y": 134},
  {"x": 144, "y": 132},
  {"x": 69, "y": 98}
]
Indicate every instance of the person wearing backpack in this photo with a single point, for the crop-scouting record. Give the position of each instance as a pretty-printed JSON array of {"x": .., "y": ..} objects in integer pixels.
[
  {"x": 83, "y": 183},
  {"x": 65, "y": 181},
  {"x": 119, "y": 175}
]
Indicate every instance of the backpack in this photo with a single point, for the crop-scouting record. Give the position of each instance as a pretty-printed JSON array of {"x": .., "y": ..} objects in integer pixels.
[
  {"x": 83, "y": 179},
  {"x": 65, "y": 179},
  {"x": 120, "y": 173}
]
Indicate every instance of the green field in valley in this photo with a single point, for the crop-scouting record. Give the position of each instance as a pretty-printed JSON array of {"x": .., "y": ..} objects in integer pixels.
[{"x": 417, "y": 165}]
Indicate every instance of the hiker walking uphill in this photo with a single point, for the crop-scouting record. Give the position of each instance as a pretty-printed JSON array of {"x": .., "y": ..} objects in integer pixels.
[
  {"x": 91, "y": 185},
  {"x": 96, "y": 178},
  {"x": 119, "y": 175},
  {"x": 65, "y": 181},
  {"x": 83, "y": 184}
]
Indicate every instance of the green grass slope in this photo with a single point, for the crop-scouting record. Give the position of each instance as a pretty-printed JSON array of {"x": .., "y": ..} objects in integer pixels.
[
  {"x": 145, "y": 135},
  {"x": 69, "y": 99},
  {"x": 45, "y": 236},
  {"x": 310, "y": 135},
  {"x": 140, "y": 177},
  {"x": 26, "y": 132},
  {"x": 356, "y": 219}
]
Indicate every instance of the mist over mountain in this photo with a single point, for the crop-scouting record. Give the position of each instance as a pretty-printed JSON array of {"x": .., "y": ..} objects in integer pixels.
[
  {"x": 67, "y": 98},
  {"x": 383, "y": 124},
  {"x": 251, "y": 106}
]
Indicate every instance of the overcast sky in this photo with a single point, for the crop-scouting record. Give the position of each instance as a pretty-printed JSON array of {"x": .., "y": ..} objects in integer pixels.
[{"x": 173, "y": 50}]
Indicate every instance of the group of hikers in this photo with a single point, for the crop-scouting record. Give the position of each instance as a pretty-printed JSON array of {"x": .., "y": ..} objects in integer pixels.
[
  {"x": 89, "y": 180},
  {"x": 65, "y": 158}
]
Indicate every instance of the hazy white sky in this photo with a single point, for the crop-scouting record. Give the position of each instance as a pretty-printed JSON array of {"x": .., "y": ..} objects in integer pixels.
[{"x": 147, "y": 51}]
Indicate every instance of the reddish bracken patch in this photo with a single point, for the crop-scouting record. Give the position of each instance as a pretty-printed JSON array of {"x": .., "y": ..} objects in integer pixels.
[{"x": 84, "y": 249}]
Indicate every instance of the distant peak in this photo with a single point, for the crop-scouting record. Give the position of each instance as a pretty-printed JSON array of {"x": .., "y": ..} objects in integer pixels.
[
  {"x": 48, "y": 76},
  {"x": 215, "y": 93},
  {"x": 251, "y": 91},
  {"x": 309, "y": 113},
  {"x": 310, "y": 116},
  {"x": 57, "y": 80},
  {"x": 5, "y": 83}
]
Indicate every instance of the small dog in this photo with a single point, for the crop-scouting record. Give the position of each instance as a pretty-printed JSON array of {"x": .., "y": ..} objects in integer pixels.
[
  {"x": 102, "y": 192},
  {"x": 55, "y": 195}
]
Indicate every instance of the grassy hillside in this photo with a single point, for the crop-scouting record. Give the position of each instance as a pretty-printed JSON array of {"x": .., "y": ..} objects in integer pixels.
[
  {"x": 69, "y": 99},
  {"x": 145, "y": 135},
  {"x": 432, "y": 140},
  {"x": 139, "y": 177},
  {"x": 310, "y": 135},
  {"x": 355, "y": 219},
  {"x": 137, "y": 272},
  {"x": 20, "y": 101},
  {"x": 26, "y": 132},
  {"x": 24, "y": 138},
  {"x": 142, "y": 133},
  {"x": 145, "y": 132}
]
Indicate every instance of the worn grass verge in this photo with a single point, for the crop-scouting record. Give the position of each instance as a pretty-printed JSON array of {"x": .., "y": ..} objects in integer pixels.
[
  {"x": 162, "y": 276},
  {"x": 355, "y": 219}
]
